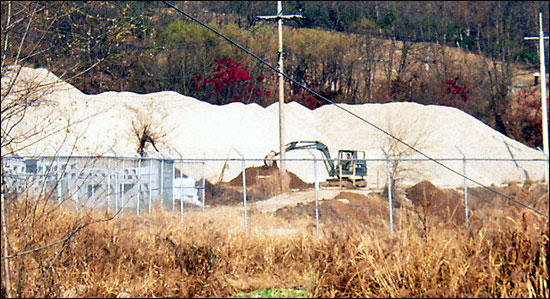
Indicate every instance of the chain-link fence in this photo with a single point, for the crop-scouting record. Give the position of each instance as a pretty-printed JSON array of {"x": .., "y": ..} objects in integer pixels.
[
  {"x": 113, "y": 183},
  {"x": 136, "y": 185}
]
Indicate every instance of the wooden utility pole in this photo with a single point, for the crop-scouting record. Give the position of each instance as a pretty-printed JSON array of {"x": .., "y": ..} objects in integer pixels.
[
  {"x": 282, "y": 164},
  {"x": 543, "y": 96}
]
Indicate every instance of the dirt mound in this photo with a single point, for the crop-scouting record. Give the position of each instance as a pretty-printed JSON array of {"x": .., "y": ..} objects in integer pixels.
[
  {"x": 429, "y": 206},
  {"x": 484, "y": 202},
  {"x": 261, "y": 183},
  {"x": 429, "y": 200},
  {"x": 430, "y": 203},
  {"x": 267, "y": 175},
  {"x": 222, "y": 194},
  {"x": 344, "y": 208},
  {"x": 447, "y": 205},
  {"x": 535, "y": 195}
]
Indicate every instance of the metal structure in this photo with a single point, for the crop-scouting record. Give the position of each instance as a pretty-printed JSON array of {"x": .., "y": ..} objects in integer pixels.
[{"x": 97, "y": 182}]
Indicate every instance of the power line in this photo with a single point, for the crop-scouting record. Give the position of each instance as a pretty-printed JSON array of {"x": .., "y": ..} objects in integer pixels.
[{"x": 352, "y": 113}]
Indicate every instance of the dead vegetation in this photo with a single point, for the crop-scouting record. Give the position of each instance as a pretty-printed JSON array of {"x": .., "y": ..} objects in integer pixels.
[{"x": 505, "y": 254}]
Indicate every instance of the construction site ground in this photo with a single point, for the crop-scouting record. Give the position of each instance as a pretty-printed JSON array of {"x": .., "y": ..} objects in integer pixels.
[{"x": 423, "y": 204}]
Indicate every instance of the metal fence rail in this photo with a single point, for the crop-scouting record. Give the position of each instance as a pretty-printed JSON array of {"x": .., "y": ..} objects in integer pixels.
[
  {"x": 120, "y": 184},
  {"x": 111, "y": 182}
]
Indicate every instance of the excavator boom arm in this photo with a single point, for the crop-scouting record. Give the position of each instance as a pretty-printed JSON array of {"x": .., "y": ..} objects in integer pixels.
[{"x": 329, "y": 164}]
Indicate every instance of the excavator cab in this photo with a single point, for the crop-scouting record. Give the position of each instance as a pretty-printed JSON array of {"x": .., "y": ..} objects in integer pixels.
[
  {"x": 353, "y": 163},
  {"x": 351, "y": 166}
]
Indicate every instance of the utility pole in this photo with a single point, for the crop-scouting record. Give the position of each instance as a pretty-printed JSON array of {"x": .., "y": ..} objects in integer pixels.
[
  {"x": 543, "y": 96},
  {"x": 279, "y": 17}
]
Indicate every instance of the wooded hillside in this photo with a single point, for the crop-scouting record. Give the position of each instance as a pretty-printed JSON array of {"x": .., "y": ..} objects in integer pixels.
[{"x": 471, "y": 55}]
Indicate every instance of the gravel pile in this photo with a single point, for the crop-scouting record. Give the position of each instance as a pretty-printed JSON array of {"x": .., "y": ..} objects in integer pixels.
[{"x": 75, "y": 123}]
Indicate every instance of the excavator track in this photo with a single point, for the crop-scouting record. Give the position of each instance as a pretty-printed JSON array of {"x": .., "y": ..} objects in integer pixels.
[{"x": 345, "y": 184}]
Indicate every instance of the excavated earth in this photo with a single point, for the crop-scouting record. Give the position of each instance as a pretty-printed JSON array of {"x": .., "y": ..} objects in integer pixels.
[{"x": 423, "y": 203}]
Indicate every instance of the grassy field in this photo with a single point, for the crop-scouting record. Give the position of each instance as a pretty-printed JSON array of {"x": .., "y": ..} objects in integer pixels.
[{"x": 505, "y": 255}]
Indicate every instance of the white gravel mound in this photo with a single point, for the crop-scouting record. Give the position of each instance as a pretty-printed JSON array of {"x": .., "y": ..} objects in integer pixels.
[{"x": 72, "y": 123}]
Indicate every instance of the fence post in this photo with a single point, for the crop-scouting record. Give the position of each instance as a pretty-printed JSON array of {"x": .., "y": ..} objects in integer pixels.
[
  {"x": 316, "y": 193},
  {"x": 181, "y": 185},
  {"x": 172, "y": 178},
  {"x": 182, "y": 212},
  {"x": 181, "y": 189},
  {"x": 244, "y": 192},
  {"x": 116, "y": 184},
  {"x": 58, "y": 178},
  {"x": 546, "y": 170},
  {"x": 203, "y": 181},
  {"x": 77, "y": 188},
  {"x": 390, "y": 191},
  {"x": 92, "y": 178},
  {"x": 139, "y": 186},
  {"x": 340, "y": 172},
  {"x": 182, "y": 204},
  {"x": 108, "y": 185},
  {"x": 123, "y": 203},
  {"x": 44, "y": 176},
  {"x": 466, "y": 195},
  {"x": 161, "y": 185},
  {"x": 5, "y": 241},
  {"x": 150, "y": 185},
  {"x": 117, "y": 188}
]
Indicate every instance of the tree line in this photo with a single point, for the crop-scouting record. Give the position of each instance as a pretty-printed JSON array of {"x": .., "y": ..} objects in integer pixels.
[{"x": 348, "y": 51}]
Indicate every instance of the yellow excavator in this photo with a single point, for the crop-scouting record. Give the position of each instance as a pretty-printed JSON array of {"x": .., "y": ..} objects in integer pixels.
[{"x": 351, "y": 166}]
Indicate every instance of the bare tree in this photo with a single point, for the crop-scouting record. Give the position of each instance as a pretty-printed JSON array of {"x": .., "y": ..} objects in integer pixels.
[
  {"x": 34, "y": 34},
  {"x": 397, "y": 151},
  {"x": 371, "y": 55},
  {"x": 148, "y": 128},
  {"x": 504, "y": 46}
]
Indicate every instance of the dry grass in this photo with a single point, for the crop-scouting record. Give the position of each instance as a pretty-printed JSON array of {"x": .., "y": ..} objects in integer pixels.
[{"x": 152, "y": 256}]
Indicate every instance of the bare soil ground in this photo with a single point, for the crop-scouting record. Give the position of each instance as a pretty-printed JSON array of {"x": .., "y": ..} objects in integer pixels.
[
  {"x": 345, "y": 206},
  {"x": 423, "y": 203}
]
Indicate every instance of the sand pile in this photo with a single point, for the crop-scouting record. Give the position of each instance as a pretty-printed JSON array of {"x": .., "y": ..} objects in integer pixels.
[{"x": 79, "y": 124}]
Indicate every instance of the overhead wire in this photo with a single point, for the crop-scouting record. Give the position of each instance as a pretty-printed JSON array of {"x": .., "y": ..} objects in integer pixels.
[{"x": 354, "y": 114}]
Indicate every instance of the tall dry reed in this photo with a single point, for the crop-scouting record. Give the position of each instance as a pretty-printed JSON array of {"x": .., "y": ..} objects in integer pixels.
[{"x": 152, "y": 256}]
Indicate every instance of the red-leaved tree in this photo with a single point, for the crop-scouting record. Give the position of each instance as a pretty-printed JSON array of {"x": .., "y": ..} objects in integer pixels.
[
  {"x": 231, "y": 82},
  {"x": 525, "y": 120},
  {"x": 304, "y": 97}
]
